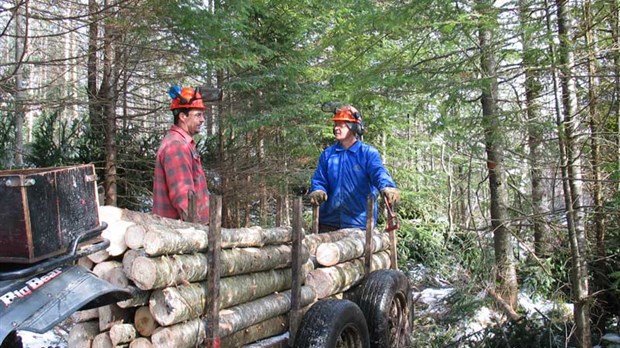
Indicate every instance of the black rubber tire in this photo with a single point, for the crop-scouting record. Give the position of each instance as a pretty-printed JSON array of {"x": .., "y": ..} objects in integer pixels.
[
  {"x": 333, "y": 324},
  {"x": 385, "y": 300},
  {"x": 12, "y": 341}
]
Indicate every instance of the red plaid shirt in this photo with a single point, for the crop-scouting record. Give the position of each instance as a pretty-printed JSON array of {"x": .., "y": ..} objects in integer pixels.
[{"x": 178, "y": 170}]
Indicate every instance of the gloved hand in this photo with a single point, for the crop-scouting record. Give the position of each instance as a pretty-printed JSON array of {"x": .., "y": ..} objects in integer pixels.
[
  {"x": 392, "y": 194},
  {"x": 317, "y": 197}
]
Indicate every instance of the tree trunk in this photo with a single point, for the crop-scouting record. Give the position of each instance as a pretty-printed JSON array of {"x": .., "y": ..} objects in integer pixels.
[
  {"x": 144, "y": 322},
  {"x": 21, "y": 31},
  {"x": 570, "y": 128},
  {"x": 330, "y": 254},
  {"x": 506, "y": 276},
  {"x": 533, "y": 90},
  {"x": 328, "y": 281},
  {"x": 107, "y": 91},
  {"x": 595, "y": 134},
  {"x": 176, "y": 304},
  {"x": 122, "y": 333},
  {"x": 270, "y": 327}
]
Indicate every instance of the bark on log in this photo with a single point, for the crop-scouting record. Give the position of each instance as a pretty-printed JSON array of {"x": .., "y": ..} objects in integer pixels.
[
  {"x": 134, "y": 236},
  {"x": 185, "y": 335},
  {"x": 102, "y": 340},
  {"x": 250, "y": 313},
  {"x": 176, "y": 304},
  {"x": 163, "y": 240},
  {"x": 138, "y": 298},
  {"x": 168, "y": 236},
  {"x": 264, "y": 329},
  {"x": 247, "y": 260},
  {"x": 85, "y": 315},
  {"x": 192, "y": 333},
  {"x": 330, "y": 254},
  {"x": 312, "y": 241},
  {"x": 122, "y": 333},
  {"x": 327, "y": 281},
  {"x": 82, "y": 334},
  {"x": 141, "y": 342},
  {"x": 144, "y": 322},
  {"x": 160, "y": 272},
  {"x": 102, "y": 268}
]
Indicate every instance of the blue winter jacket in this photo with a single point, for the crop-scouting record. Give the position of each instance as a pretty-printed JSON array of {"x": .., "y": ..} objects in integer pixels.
[{"x": 349, "y": 176}]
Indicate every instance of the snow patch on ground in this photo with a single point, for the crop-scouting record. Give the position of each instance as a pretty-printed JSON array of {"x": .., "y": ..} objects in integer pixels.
[{"x": 55, "y": 338}]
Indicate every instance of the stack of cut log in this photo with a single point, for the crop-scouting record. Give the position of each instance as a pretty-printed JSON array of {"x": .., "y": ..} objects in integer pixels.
[{"x": 163, "y": 263}]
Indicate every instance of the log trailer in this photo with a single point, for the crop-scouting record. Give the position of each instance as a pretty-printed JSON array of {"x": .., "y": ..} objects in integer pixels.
[
  {"x": 375, "y": 313},
  {"x": 41, "y": 284}
]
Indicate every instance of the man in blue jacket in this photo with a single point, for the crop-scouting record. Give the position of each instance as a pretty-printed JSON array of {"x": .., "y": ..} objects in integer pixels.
[{"x": 347, "y": 173}]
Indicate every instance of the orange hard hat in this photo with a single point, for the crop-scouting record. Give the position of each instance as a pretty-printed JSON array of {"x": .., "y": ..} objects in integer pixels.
[
  {"x": 187, "y": 98},
  {"x": 347, "y": 113}
]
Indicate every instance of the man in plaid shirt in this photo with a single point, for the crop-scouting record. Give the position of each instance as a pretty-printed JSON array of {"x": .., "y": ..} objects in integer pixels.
[{"x": 178, "y": 169}]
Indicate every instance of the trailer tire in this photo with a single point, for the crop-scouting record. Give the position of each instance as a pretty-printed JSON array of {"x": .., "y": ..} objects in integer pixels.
[
  {"x": 12, "y": 341},
  {"x": 385, "y": 300},
  {"x": 333, "y": 323}
]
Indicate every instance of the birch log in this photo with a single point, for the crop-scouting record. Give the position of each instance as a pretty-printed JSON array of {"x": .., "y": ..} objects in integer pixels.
[
  {"x": 176, "y": 304},
  {"x": 141, "y": 342},
  {"x": 330, "y": 254},
  {"x": 99, "y": 256},
  {"x": 327, "y": 281},
  {"x": 82, "y": 334},
  {"x": 86, "y": 262},
  {"x": 163, "y": 240},
  {"x": 192, "y": 332},
  {"x": 102, "y": 340},
  {"x": 134, "y": 236},
  {"x": 117, "y": 277},
  {"x": 185, "y": 335},
  {"x": 138, "y": 298},
  {"x": 160, "y": 272},
  {"x": 129, "y": 257},
  {"x": 250, "y": 313},
  {"x": 85, "y": 315},
  {"x": 270, "y": 327},
  {"x": 122, "y": 333},
  {"x": 115, "y": 232},
  {"x": 113, "y": 314},
  {"x": 312, "y": 241},
  {"x": 144, "y": 322},
  {"x": 102, "y": 268}
]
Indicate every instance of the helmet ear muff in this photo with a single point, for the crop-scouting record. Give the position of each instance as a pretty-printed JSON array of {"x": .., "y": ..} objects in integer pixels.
[{"x": 358, "y": 128}]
